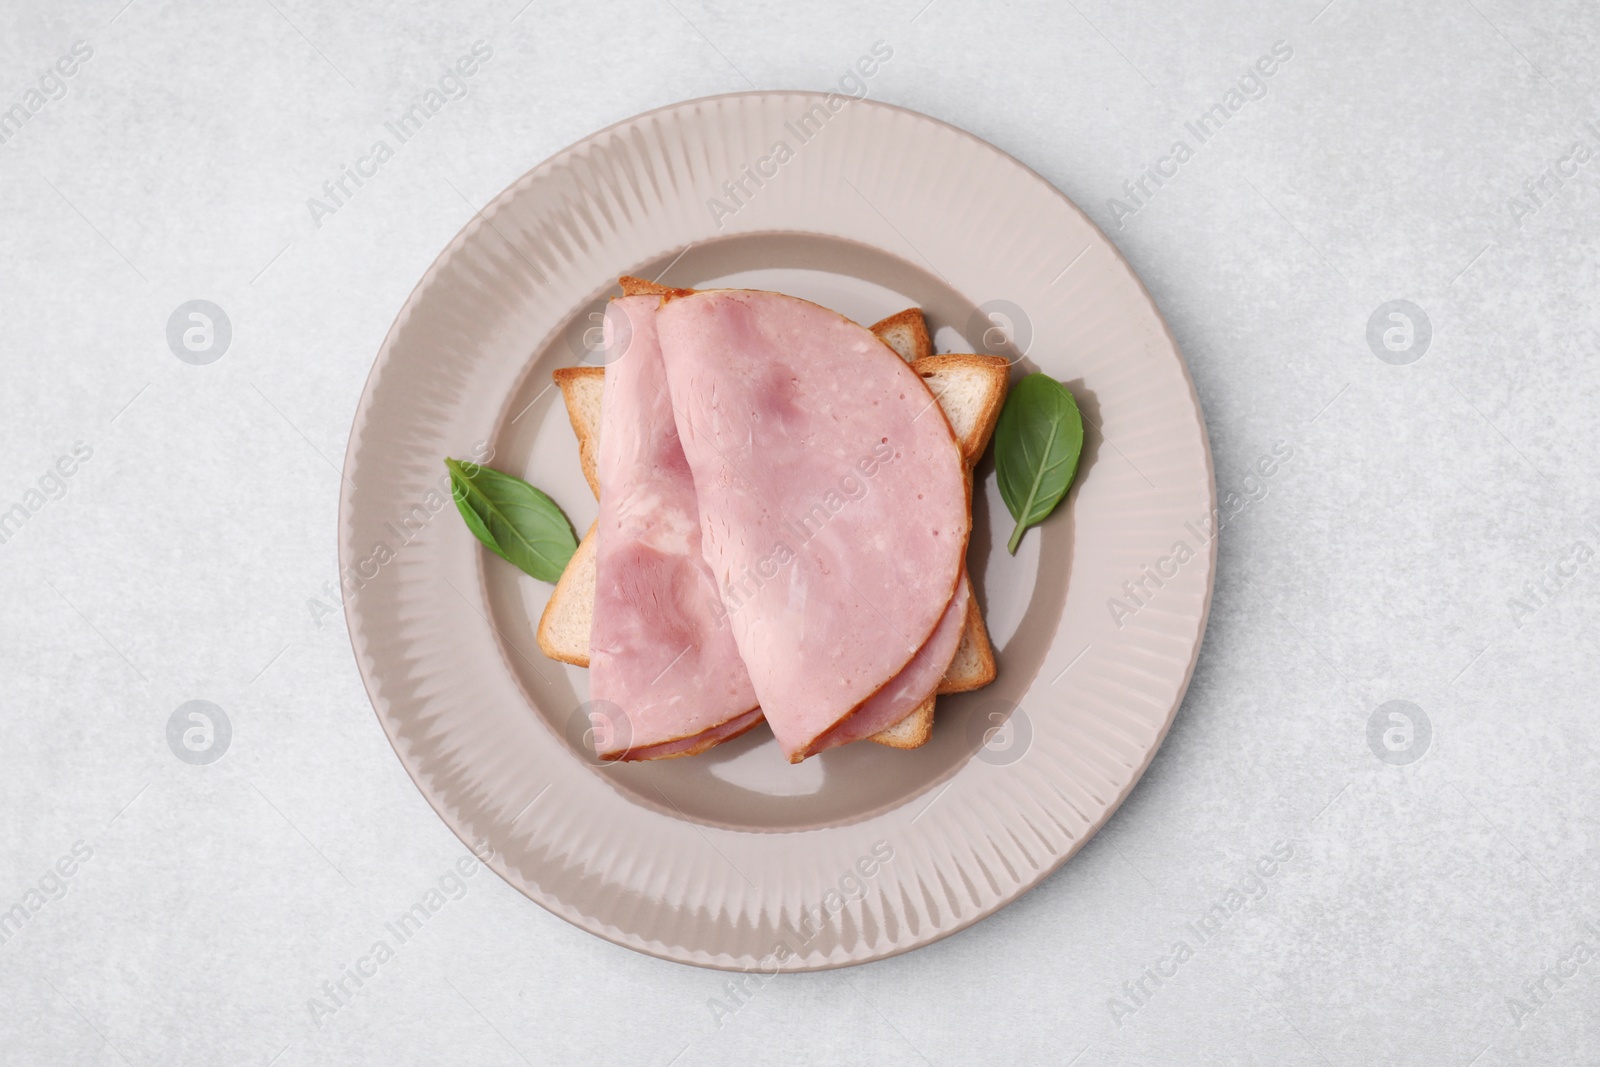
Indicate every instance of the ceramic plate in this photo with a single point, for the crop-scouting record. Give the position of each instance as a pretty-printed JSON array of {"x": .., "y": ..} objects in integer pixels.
[{"x": 736, "y": 859}]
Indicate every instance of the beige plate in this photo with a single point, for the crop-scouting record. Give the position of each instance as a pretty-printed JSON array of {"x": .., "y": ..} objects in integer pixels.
[{"x": 865, "y": 851}]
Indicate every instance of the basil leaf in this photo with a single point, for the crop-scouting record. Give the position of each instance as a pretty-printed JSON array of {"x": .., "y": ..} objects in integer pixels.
[
  {"x": 458, "y": 492},
  {"x": 514, "y": 520},
  {"x": 1036, "y": 448}
]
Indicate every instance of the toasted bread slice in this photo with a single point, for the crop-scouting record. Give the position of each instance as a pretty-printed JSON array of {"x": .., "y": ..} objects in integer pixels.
[
  {"x": 914, "y": 730},
  {"x": 907, "y": 333},
  {"x": 581, "y": 388},
  {"x": 564, "y": 627},
  {"x": 970, "y": 390},
  {"x": 973, "y": 666}
]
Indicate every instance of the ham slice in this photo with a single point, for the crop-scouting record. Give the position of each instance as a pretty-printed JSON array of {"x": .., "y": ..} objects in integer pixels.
[
  {"x": 908, "y": 689},
  {"x": 832, "y": 499},
  {"x": 697, "y": 743},
  {"x": 660, "y": 648}
]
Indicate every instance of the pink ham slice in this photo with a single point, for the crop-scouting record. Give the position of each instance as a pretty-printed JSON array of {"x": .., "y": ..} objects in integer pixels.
[
  {"x": 833, "y": 504},
  {"x": 660, "y": 649},
  {"x": 693, "y": 746},
  {"x": 910, "y": 687}
]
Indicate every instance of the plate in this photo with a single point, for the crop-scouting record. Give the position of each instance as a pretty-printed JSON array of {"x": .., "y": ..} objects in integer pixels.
[{"x": 735, "y": 859}]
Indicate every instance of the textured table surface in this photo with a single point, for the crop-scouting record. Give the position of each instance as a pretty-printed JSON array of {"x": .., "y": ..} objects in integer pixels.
[{"x": 1426, "y": 535}]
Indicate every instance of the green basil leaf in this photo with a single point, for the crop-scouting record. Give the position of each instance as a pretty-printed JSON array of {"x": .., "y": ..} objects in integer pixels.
[
  {"x": 1036, "y": 448},
  {"x": 514, "y": 520},
  {"x": 459, "y": 492}
]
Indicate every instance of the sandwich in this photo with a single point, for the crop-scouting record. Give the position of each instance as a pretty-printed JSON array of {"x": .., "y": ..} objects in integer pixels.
[{"x": 741, "y": 409}]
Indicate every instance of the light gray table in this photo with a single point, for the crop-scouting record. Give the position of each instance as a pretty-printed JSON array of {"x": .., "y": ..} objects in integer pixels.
[{"x": 1429, "y": 538}]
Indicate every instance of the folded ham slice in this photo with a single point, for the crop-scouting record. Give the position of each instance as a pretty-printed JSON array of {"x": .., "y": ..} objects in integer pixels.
[
  {"x": 832, "y": 499},
  {"x": 660, "y": 648},
  {"x": 908, "y": 689}
]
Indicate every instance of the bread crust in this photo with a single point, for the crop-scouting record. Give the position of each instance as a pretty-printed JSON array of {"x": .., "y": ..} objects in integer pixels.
[
  {"x": 907, "y": 333},
  {"x": 632, "y": 286}
]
